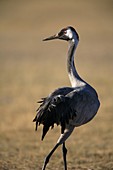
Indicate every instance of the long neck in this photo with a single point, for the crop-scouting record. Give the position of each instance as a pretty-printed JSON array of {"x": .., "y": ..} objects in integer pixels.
[{"x": 75, "y": 79}]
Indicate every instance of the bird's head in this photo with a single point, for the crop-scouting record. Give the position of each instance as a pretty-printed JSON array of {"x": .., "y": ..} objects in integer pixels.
[{"x": 68, "y": 34}]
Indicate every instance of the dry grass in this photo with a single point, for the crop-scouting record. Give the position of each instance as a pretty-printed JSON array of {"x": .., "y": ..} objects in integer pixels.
[{"x": 30, "y": 69}]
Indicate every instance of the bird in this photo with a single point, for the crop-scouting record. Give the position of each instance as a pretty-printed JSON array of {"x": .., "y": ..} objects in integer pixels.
[{"x": 69, "y": 107}]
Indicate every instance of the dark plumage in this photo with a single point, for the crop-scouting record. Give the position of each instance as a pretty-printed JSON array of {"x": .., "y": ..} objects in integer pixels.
[{"x": 55, "y": 109}]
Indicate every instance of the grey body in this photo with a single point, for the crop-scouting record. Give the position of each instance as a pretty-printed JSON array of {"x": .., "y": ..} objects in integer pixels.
[{"x": 68, "y": 107}]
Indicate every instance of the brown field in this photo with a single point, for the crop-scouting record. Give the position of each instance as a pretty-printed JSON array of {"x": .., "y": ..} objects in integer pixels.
[{"x": 30, "y": 69}]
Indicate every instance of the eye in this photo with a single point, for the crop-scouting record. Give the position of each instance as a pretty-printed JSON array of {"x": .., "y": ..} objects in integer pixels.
[{"x": 65, "y": 32}]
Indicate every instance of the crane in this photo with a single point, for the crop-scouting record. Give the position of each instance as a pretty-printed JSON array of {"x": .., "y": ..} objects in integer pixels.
[{"x": 68, "y": 107}]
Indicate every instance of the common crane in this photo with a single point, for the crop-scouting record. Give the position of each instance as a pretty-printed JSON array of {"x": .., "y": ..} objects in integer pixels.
[{"x": 68, "y": 107}]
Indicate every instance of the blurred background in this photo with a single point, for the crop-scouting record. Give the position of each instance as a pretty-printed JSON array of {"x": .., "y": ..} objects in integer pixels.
[{"x": 31, "y": 69}]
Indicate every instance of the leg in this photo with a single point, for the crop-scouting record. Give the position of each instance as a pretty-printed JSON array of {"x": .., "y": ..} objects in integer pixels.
[
  {"x": 48, "y": 156},
  {"x": 64, "y": 155},
  {"x": 60, "y": 141}
]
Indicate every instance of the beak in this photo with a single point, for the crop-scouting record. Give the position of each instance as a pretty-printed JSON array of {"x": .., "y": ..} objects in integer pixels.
[{"x": 51, "y": 37}]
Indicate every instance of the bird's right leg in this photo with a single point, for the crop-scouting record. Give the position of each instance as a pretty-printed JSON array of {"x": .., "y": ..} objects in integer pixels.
[
  {"x": 64, "y": 155},
  {"x": 48, "y": 156}
]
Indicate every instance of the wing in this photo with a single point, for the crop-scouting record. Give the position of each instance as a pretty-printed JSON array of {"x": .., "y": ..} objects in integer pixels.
[
  {"x": 65, "y": 105},
  {"x": 53, "y": 110}
]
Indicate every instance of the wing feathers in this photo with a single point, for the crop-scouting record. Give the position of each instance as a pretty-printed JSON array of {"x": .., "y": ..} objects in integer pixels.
[
  {"x": 55, "y": 109},
  {"x": 63, "y": 105},
  {"x": 56, "y": 112}
]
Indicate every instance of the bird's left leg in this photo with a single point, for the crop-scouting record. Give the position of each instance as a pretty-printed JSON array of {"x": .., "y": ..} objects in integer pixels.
[
  {"x": 48, "y": 156},
  {"x": 64, "y": 155}
]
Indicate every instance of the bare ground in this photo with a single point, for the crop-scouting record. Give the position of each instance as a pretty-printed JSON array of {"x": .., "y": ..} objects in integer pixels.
[{"x": 30, "y": 69}]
